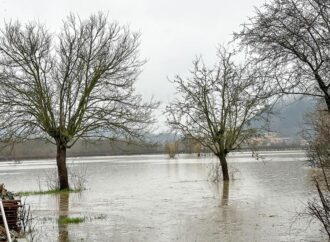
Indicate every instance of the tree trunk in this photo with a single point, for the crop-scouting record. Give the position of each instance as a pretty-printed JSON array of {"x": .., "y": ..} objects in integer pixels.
[
  {"x": 224, "y": 166},
  {"x": 327, "y": 101},
  {"x": 225, "y": 193},
  {"x": 61, "y": 166}
]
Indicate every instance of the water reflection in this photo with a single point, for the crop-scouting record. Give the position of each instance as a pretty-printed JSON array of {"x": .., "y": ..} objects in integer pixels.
[
  {"x": 63, "y": 207},
  {"x": 221, "y": 191},
  {"x": 225, "y": 193}
]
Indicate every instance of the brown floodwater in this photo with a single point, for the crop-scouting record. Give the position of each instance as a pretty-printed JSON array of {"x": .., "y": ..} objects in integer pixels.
[{"x": 152, "y": 198}]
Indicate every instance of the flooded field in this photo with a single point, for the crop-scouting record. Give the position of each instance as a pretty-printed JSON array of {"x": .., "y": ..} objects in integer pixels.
[{"x": 152, "y": 198}]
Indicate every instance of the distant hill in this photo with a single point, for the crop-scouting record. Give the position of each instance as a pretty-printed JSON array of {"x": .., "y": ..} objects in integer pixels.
[
  {"x": 163, "y": 137},
  {"x": 288, "y": 118}
]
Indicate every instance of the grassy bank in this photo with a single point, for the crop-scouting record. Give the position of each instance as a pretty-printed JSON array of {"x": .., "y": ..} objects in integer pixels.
[{"x": 48, "y": 192}]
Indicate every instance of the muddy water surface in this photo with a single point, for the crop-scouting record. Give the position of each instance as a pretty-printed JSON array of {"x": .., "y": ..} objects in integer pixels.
[{"x": 152, "y": 198}]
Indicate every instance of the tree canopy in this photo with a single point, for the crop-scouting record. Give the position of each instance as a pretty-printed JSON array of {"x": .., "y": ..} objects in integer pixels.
[
  {"x": 76, "y": 84},
  {"x": 291, "y": 39}
]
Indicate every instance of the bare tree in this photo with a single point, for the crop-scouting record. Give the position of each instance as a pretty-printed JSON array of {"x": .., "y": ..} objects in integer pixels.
[
  {"x": 291, "y": 39},
  {"x": 191, "y": 145},
  {"x": 319, "y": 156},
  {"x": 77, "y": 84},
  {"x": 215, "y": 105},
  {"x": 171, "y": 148}
]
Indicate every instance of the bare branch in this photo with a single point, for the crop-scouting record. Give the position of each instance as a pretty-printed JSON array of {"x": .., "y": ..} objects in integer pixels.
[{"x": 290, "y": 38}]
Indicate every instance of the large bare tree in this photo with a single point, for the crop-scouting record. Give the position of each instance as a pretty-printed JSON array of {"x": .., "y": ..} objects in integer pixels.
[
  {"x": 215, "y": 105},
  {"x": 318, "y": 152},
  {"x": 75, "y": 84},
  {"x": 292, "y": 40}
]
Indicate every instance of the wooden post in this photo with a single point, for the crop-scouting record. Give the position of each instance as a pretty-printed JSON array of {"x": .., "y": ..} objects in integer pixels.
[{"x": 4, "y": 219}]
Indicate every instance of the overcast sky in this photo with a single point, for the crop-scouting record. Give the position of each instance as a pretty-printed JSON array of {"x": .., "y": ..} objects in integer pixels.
[{"x": 173, "y": 31}]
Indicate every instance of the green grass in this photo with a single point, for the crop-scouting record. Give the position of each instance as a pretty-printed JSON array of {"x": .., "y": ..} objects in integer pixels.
[
  {"x": 48, "y": 192},
  {"x": 67, "y": 220}
]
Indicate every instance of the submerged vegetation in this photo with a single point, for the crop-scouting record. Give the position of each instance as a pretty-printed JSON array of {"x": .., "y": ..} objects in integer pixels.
[
  {"x": 69, "y": 220},
  {"x": 48, "y": 192}
]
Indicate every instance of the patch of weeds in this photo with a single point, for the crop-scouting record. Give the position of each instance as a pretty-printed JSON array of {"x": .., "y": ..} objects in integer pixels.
[
  {"x": 48, "y": 192},
  {"x": 91, "y": 219},
  {"x": 101, "y": 216},
  {"x": 68, "y": 220}
]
